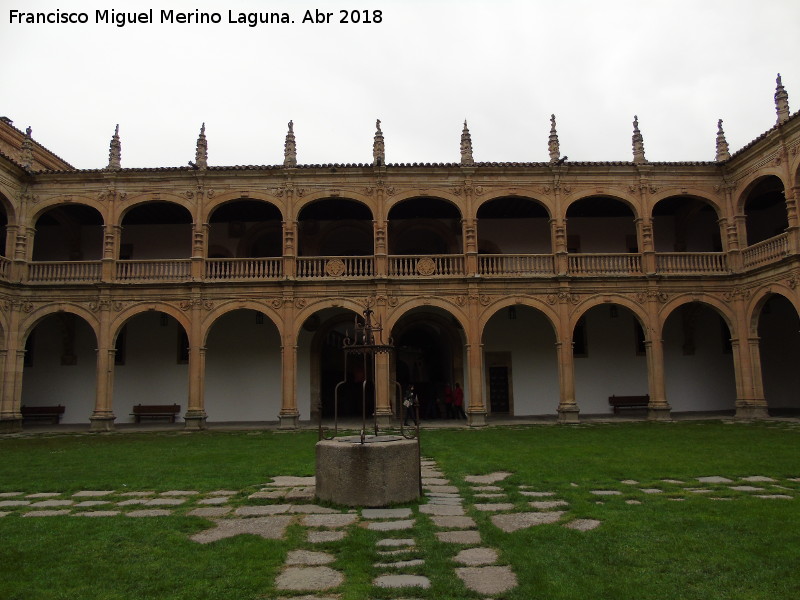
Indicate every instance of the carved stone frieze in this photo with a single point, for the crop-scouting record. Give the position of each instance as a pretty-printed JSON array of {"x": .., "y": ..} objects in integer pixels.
[
  {"x": 196, "y": 303},
  {"x": 106, "y": 304},
  {"x": 467, "y": 189},
  {"x": 736, "y": 294},
  {"x": 335, "y": 267},
  {"x": 657, "y": 295},
  {"x": 300, "y": 302},
  {"x": 426, "y": 266},
  {"x": 562, "y": 298}
]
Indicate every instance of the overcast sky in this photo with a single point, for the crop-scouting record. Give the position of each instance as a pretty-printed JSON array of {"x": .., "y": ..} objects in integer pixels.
[{"x": 503, "y": 65}]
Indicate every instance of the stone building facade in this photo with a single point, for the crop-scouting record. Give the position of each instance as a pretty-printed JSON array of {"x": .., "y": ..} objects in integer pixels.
[{"x": 541, "y": 288}]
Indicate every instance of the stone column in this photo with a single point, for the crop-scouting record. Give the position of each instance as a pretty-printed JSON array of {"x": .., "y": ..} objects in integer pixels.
[
  {"x": 644, "y": 233},
  {"x": 195, "y": 417},
  {"x": 750, "y": 402},
  {"x": 289, "y": 415},
  {"x": 476, "y": 406},
  {"x": 381, "y": 254},
  {"x": 383, "y": 406},
  {"x": 103, "y": 418},
  {"x": 111, "y": 240},
  {"x": 558, "y": 233},
  {"x": 469, "y": 232},
  {"x": 658, "y": 409},
  {"x": 14, "y": 356},
  {"x": 567, "y": 406},
  {"x": 289, "y": 249},
  {"x": 199, "y": 250}
]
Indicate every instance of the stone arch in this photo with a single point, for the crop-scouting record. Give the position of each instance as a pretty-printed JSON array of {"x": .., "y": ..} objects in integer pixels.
[
  {"x": 222, "y": 199},
  {"x": 631, "y": 202},
  {"x": 422, "y": 225},
  {"x": 335, "y": 226},
  {"x": 692, "y": 228},
  {"x": 519, "y": 224},
  {"x": 751, "y": 181},
  {"x": 608, "y": 299},
  {"x": 618, "y": 234},
  {"x": 7, "y": 205},
  {"x": 308, "y": 310},
  {"x": 61, "y": 201},
  {"x": 233, "y": 305},
  {"x": 423, "y": 301},
  {"x": 453, "y": 199},
  {"x": 246, "y": 228},
  {"x": 150, "y": 198},
  {"x": 168, "y": 221},
  {"x": 127, "y": 314},
  {"x": 71, "y": 231},
  {"x": 520, "y": 357},
  {"x": 763, "y": 203},
  {"x": 307, "y": 200},
  {"x": 38, "y": 315},
  {"x": 761, "y": 297},
  {"x": 712, "y": 302}
]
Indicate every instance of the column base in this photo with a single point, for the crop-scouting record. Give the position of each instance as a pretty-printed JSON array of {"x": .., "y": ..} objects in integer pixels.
[
  {"x": 195, "y": 420},
  {"x": 104, "y": 423},
  {"x": 385, "y": 420},
  {"x": 10, "y": 425},
  {"x": 476, "y": 419},
  {"x": 750, "y": 413},
  {"x": 568, "y": 415},
  {"x": 288, "y": 421},
  {"x": 659, "y": 413}
]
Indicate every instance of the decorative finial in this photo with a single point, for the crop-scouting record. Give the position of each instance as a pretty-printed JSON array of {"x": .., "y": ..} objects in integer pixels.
[
  {"x": 638, "y": 143},
  {"x": 781, "y": 101},
  {"x": 378, "y": 149},
  {"x": 466, "y": 146},
  {"x": 201, "y": 154},
  {"x": 26, "y": 150},
  {"x": 115, "y": 152},
  {"x": 290, "y": 148},
  {"x": 552, "y": 142},
  {"x": 722, "y": 144}
]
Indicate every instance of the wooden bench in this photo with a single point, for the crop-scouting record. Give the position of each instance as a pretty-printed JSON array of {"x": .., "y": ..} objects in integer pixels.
[
  {"x": 155, "y": 411},
  {"x": 618, "y": 402},
  {"x": 51, "y": 413}
]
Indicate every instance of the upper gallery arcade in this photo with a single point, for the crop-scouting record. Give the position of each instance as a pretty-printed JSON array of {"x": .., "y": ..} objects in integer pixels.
[{"x": 541, "y": 288}]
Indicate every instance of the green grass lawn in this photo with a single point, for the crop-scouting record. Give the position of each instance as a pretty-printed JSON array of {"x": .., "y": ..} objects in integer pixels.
[{"x": 675, "y": 544}]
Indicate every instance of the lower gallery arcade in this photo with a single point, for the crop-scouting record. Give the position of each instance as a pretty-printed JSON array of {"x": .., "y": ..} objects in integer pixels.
[{"x": 232, "y": 363}]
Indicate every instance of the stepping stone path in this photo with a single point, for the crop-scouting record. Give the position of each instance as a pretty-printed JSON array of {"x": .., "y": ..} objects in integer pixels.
[{"x": 268, "y": 510}]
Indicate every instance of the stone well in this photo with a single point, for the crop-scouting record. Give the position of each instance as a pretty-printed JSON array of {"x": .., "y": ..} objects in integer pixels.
[{"x": 381, "y": 471}]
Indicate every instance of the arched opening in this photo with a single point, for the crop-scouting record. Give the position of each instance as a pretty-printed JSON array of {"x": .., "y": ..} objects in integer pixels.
[
  {"x": 423, "y": 226},
  {"x": 156, "y": 230},
  {"x": 698, "y": 360},
  {"x": 69, "y": 232},
  {"x": 243, "y": 368},
  {"x": 245, "y": 229},
  {"x": 321, "y": 366},
  {"x": 429, "y": 352},
  {"x": 151, "y": 365},
  {"x": 686, "y": 224},
  {"x": 513, "y": 225},
  {"x": 601, "y": 224},
  {"x": 335, "y": 227},
  {"x": 779, "y": 344},
  {"x": 60, "y": 366},
  {"x": 610, "y": 357},
  {"x": 765, "y": 210},
  {"x": 521, "y": 367}
]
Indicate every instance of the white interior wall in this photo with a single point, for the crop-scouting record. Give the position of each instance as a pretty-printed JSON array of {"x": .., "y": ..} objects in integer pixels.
[
  {"x": 243, "y": 369},
  {"x": 534, "y": 368},
  {"x": 705, "y": 380},
  {"x": 778, "y": 328},
  {"x": 48, "y": 383},
  {"x": 151, "y": 373},
  {"x": 611, "y": 366}
]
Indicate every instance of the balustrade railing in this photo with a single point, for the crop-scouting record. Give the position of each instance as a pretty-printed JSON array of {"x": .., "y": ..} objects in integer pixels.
[
  {"x": 604, "y": 264},
  {"x": 226, "y": 269},
  {"x": 318, "y": 267},
  {"x": 154, "y": 270},
  {"x": 64, "y": 272},
  {"x": 439, "y": 265},
  {"x": 692, "y": 263},
  {"x": 765, "y": 252},
  {"x": 534, "y": 265}
]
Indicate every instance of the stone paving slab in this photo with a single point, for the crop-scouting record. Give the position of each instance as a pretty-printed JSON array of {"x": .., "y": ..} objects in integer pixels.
[
  {"x": 488, "y": 580},
  {"x": 441, "y": 510},
  {"x": 9, "y": 503},
  {"x": 494, "y": 507},
  {"x": 473, "y": 557},
  {"x": 46, "y": 513},
  {"x": 44, "y": 495},
  {"x": 309, "y": 579},
  {"x": 746, "y": 488},
  {"x": 4, "y": 513},
  {"x": 394, "y": 542},
  {"x": 137, "y": 494},
  {"x": 223, "y": 493},
  {"x": 97, "y": 513},
  {"x": 133, "y": 502},
  {"x": 153, "y": 512},
  {"x": 92, "y": 493},
  {"x": 488, "y": 478},
  {"x": 490, "y": 495},
  {"x": 215, "y": 500},
  {"x": 386, "y": 513},
  {"x": 260, "y": 511},
  {"x": 448, "y": 522},
  {"x": 322, "y": 537},
  {"x": 268, "y": 495},
  {"x": 774, "y": 496},
  {"x": 537, "y": 494},
  {"x": 629, "y": 482},
  {"x": 469, "y": 538},
  {"x": 435, "y": 481},
  {"x": 165, "y": 502},
  {"x": 651, "y": 491},
  {"x": 758, "y": 478},
  {"x": 309, "y": 509},
  {"x": 10, "y": 494},
  {"x": 211, "y": 511},
  {"x": 400, "y": 564},
  {"x": 674, "y": 481},
  {"x": 331, "y": 520},
  {"x": 516, "y": 521},
  {"x": 606, "y": 492},
  {"x": 307, "y": 557},
  {"x": 402, "y": 581},
  {"x": 390, "y": 525},
  {"x": 583, "y": 524},
  {"x": 271, "y": 528},
  {"x": 441, "y": 489},
  {"x": 548, "y": 504},
  {"x": 291, "y": 481},
  {"x": 714, "y": 479},
  {"x": 88, "y": 503},
  {"x": 486, "y": 488},
  {"x": 180, "y": 493}
]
